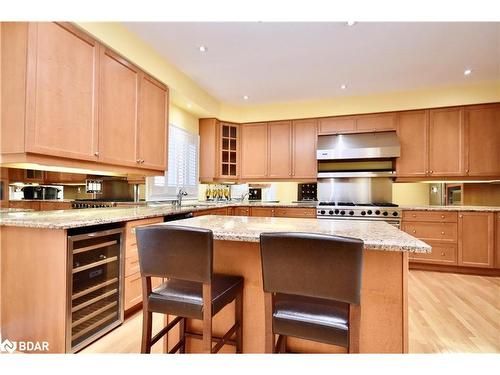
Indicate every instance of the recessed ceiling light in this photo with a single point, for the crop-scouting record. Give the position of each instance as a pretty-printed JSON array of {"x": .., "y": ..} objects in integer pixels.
[
  {"x": 351, "y": 23},
  {"x": 245, "y": 97},
  {"x": 343, "y": 87},
  {"x": 467, "y": 72},
  {"x": 203, "y": 49}
]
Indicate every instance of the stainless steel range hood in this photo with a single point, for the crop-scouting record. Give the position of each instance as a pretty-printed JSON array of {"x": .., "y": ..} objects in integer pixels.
[{"x": 358, "y": 146}]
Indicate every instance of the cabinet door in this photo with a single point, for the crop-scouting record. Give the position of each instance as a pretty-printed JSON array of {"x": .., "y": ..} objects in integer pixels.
[
  {"x": 335, "y": 125},
  {"x": 412, "y": 132},
  {"x": 305, "y": 136},
  {"x": 229, "y": 145},
  {"x": 483, "y": 140},
  {"x": 254, "y": 150},
  {"x": 62, "y": 81},
  {"x": 475, "y": 239},
  {"x": 152, "y": 137},
  {"x": 118, "y": 98},
  {"x": 280, "y": 149},
  {"x": 446, "y": 142},
  {"x": 376, "y": 122},
  {"x": 262, "y": 211},
  {"x": 241, "y": 211}
]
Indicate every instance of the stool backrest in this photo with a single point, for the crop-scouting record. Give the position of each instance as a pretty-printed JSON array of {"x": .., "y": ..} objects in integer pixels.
[
  {"x": 177, "y": 252},
  {"x": 313, "y": 265}
]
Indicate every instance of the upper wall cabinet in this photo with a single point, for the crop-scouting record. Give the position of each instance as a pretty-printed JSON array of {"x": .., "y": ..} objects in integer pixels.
[
  {"x": 74, "y": 102},
  {"x": 446, "y": 142},
  {"x": 254, "y": 150},
  {"x": 377, "y": 122},
  {"x": 62, "y": 89},
  {"x": 413, "y": 134},
  {"x": 304, "y": 139},
  {"x": 482, "y": 134},
  {"x": 280, "y": 149}
]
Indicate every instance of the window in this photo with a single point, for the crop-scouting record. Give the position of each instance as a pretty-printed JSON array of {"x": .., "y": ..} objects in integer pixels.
[{"x": 182, "y": 167}]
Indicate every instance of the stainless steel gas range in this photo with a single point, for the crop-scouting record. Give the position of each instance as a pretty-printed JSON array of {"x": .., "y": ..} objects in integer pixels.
[{"x": 387, "y": 212}]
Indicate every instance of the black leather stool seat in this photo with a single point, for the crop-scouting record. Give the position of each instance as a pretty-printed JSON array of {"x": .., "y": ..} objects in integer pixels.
[
  {"x": 185, "y": 298},
  {"x": 311, "y": 318}
]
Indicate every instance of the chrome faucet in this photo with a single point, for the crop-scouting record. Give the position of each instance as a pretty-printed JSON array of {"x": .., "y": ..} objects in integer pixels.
[
  {"x": 243, "y": 196},
  {"x": 180, "y": 194}
]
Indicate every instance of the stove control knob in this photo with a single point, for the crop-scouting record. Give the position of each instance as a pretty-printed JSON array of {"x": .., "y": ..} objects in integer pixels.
[
  {"x": 330, "y": 212},
  {"x": 385, "y": 213},
  {"x": 337, "y": 212},
  {"x": 322, "y": 212},
  {"x": 377, "y": 212},
  {"x": 363, "y": 213},
  {"x": 342, "y": 212},
  {"x": 395, "y": 213},
  {"x": 351, "y": 213},
  {"x": 369, "y": 212}
]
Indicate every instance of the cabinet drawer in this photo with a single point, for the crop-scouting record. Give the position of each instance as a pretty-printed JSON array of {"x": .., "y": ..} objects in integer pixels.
[
  {"x": 435, "y": 216},
  {"x": 441, "y": 254},
  {"x": 262, "y": 211},
  {"x": 295, "y": 212},
  {"x": 133, "y": 291},
  {"x": 132, "y": 262},
  {"x": 443, "y": 232},
  {"x": 241, "y": 211},
  {"x": 131, "y": 225}
]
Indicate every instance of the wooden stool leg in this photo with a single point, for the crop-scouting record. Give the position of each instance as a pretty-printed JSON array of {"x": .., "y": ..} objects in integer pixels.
[
  {"x": 269, "y": 335},
  {"x": 238, "y": 318},
  {"x": 207, "y": 318},
  {"x": 147, "y": 328},
  {"x": 354, "y": 324},
  {"x": 182, "y": 335}
]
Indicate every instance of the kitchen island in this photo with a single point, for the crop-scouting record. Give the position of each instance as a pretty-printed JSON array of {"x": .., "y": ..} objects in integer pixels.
[{"x": 384, "y": 320}]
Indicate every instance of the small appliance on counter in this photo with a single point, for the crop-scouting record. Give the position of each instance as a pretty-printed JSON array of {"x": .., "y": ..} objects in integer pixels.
[
  {"x": 307, "y": 192},
  {"x": 40, "y": 192},
  {"x": 255, "y": 194}
]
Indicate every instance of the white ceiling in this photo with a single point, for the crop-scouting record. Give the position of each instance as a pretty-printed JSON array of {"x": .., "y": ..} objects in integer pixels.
[{"x": 280, "y": 62}]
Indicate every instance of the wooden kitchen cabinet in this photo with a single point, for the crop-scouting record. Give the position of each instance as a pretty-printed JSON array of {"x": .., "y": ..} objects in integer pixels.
[
  {"x": 376, "y": 122},
  {"x": 336, "y": 125},
  {"x": 61, "y": 177},
  {"x": 476, "y": 239},
  {"x": 75, "y": 103},
  {"x": 280, "y": 149},
  {"x": 482, "y": 134},
  {"x": 304, "y": 140},
  {"x": 241, "y": 211},
  {"x": 254, "y": 150},
  {"x": 53, "y": 205},
  {"x": 228, "y": 150},
  {"x": 305, "y": 212},
  {"x": 61, "y": 90},
  {"x": 262, "y": 211},
  {"x": 30, "y": 205},
  {"x": 152, "y": 133},
  {"x": 446, "y": 142},
  {"x": 413, "y": 134},
  {"x": 118, "y": 98}
]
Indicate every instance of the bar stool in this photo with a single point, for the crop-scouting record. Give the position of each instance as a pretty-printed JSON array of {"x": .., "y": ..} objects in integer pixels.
[
  {"x": 312, "y": 285},
  {"x": 184, "y": 256}
]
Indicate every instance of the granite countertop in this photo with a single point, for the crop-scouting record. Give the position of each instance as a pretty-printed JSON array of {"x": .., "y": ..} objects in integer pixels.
[
  {"x": 43, "y": 200},
  {"x": 10, "y": 210},
  {"x": 451, "y": 208},
  {"x": 377, "y": 235}
]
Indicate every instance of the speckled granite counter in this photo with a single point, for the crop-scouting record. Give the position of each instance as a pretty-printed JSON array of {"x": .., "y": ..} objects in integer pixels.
[
  {"x": 451, "y": 208},
  {"x": 65, "y": 219},
  {"x": 10, "y": 210},
  {"x": 377, "y": 235}
]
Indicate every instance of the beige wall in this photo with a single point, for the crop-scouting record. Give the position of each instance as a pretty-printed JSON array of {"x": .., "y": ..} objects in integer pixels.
[
  {"x": 183, "y": 119},
  {"x": 410, "y": 193}
]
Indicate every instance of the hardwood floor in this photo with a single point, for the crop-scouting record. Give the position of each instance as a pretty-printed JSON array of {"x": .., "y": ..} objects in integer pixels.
[
  {"x": 453, "y": 313},
  {"x": 447, "y": 313}
]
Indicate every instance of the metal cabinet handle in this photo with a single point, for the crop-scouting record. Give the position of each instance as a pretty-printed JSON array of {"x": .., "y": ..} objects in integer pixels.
[
  {"x": 96, "y": 153},
  {"x": 442, "y": 233},
  {"x": 442, "y": 216},
  {"x": 432, "y": 172},
  {"x": 460, "y": 216},
  {"x": 442, "y": 253},
  {"x": 414, "y": 231}
]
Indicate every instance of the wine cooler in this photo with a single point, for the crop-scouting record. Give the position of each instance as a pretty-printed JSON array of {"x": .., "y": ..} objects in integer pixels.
[{"x": 95, "y": 284}]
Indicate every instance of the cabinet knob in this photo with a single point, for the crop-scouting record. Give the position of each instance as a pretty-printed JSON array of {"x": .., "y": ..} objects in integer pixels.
[
  {"x": 414, "y": 231},
  {"x": 442, "y": 216},
  {"x": 460, "y": 216},
  {"x": 96, "y": 153},
  {"x": 442, "y": 233},
  {"x": 442, "y": 253},
  {"x": 431, "y": 172},
  {"x": 414, "y": 215},
  {"x": 467, "y": 171}
]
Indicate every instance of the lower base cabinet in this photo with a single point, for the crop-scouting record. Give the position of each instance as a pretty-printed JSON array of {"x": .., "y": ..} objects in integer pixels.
[
  {"x": 133, "y": 285},
  {"x": 476, "y": 239}
]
